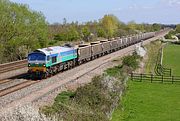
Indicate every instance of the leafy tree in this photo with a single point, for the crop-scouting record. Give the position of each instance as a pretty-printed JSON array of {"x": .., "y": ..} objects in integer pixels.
[
  {"x": 101, "y": 32},
  {"x": 21, "y": 30},
  {"x": 86, "y": 33},
  {"x": 70, "y": 34},
  {"x": 156, "y": 27},
  {"x": 132, "y": 25},
  {"x": 110, "y": 24}
]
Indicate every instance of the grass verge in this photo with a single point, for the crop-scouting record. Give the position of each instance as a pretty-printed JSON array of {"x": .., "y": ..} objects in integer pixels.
[{"x": 152, "y": 52}]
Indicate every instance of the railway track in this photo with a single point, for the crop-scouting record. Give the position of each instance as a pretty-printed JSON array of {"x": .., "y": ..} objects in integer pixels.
[
  {"x": 12, "y": 66},
  {"x": 16, "y": 87},
  {"x": 5, "y": 81}
]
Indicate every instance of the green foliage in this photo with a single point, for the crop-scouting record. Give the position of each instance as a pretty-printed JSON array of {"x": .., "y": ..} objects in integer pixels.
[
  {"x": 110, "y": 24},
  {"x": 21, "y": 30},
  {"x": 107, "y": 27},
  {"x": 156, "y": 27},
  {"x": 101, "y": 32},
  {"x": 86, "y": 33},
  {"x": 170, "y": 34},
  {"x": 69, "y": 35},
  {"x": 114, "y": 72},
  {"x": 64, "y": 97},
  {"x": 178, "y": 28},
  {"x": 131, "y": 61},
  {"x": 91, "y": 102},
  {"x": 149, "y": 102},
  {"x": 132, "y": 25}
]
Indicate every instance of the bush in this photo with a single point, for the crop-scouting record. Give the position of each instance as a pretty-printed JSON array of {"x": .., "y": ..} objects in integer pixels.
[
  {"x": 168, "y": 36},
  {"x": 131, "y": 61},
  {"x": 92, "y": 102}
]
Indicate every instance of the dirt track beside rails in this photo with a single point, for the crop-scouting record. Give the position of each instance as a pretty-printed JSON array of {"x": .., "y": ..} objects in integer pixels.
[{"x": 79, "y": 75}]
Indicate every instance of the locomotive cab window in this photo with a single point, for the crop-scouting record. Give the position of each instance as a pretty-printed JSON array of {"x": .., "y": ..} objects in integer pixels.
[{"x": 54, "y": 59}]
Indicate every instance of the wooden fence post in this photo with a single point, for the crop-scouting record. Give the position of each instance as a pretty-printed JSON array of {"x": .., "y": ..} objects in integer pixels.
[
  {"x": 172, "y": 79},
  {"x": 170, "y": 72},
  {"x": 132, "y": 76},
  {"x": 151, "y": 78},
  {"x": 141, "y": 77}
]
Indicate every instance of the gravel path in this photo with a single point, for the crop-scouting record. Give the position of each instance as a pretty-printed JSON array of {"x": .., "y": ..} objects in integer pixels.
[{"x": 79, "y": 75}]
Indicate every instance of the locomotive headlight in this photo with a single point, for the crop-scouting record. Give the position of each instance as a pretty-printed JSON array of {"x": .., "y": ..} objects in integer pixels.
[
  {"x": 44, "y": 65},
  {"x": 29, "y": 65}
]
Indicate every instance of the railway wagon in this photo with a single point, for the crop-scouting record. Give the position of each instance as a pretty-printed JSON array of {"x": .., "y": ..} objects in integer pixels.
[
  {"x": 129, "y": 41},
  {"x": 125, "y": 41},
  {"x": 106, "y": 45},
  {"x": 119, "y": 41},
  {"x": 134, "y": 39},
  {"x": 122, "y": 42},
  {"x": 48, "y": 61},
  {"x": 84, "y": 53},
  {"x": 114, "y": 44},
  {"x": 96, "y": 49}
]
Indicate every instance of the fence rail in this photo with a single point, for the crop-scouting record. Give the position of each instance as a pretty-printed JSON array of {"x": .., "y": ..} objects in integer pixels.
[
  {"x": 159, "y": 69},
  {"x": 154, "y": 78}
]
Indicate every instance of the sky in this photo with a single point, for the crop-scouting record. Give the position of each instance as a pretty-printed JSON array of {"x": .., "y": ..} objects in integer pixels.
[{"x": 140, "y": 11}]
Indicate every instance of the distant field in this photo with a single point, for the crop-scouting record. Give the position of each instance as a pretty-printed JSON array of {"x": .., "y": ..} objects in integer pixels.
[
  {"x": 171, "y": 58},
  {"x": 149, "y": 102}
]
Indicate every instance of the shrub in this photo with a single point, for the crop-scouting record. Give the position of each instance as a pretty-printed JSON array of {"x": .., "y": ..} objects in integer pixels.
[{"x": 131, "y": 61}]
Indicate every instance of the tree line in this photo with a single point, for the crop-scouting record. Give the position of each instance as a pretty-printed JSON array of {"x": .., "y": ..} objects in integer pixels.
[
  {"x": 23, "y": 30},
  {"x": 107, "y": 27}
]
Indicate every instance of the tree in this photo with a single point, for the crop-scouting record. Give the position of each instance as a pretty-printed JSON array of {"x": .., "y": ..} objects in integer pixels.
[
  {"x": 132, "y": 25},
  {"x": 21, "y": 30},
  {"x": 86, "y": 33},
  {"x": 101, "y": 32},
  {"x": 110, "y": 24},
  {"x": 156, "y": 27}
]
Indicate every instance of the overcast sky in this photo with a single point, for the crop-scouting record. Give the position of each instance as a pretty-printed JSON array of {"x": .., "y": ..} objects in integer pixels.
[{"x": 147, "y": 11}]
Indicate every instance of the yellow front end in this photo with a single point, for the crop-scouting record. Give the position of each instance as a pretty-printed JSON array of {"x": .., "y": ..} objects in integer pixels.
[{"x": 37, "y": 69}]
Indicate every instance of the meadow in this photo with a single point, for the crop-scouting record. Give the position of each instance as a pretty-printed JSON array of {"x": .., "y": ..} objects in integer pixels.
[
  {"x": 171, "y": 58},
  {"x": 149, "y": 102}
]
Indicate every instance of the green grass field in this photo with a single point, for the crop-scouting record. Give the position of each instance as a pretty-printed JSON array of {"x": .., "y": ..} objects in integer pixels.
[
  {"x": 149, "y": 102},
  {"x": 171, "y": 58}
]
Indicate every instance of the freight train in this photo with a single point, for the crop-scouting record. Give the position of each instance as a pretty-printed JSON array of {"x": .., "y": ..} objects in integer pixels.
[{"x": 46, "y": 62}]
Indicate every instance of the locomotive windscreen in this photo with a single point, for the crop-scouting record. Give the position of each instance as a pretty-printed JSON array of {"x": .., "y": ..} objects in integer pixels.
[{"x": 36, "y": 57}]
